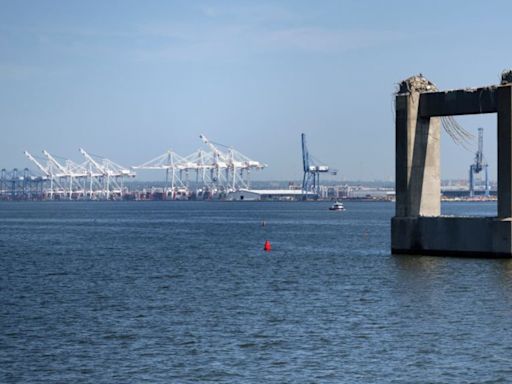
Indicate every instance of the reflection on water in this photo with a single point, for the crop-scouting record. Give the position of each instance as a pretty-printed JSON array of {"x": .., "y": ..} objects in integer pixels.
[
  {"x": 470, "y": 208},
  {"x": 418, "y": 265}
]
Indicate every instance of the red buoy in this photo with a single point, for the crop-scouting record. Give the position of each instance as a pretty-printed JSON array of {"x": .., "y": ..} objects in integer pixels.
[{"x": 267, "y": 247}]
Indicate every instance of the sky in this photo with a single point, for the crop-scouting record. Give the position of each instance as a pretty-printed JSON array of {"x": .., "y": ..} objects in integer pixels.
[{"x": 129, "y": 80}]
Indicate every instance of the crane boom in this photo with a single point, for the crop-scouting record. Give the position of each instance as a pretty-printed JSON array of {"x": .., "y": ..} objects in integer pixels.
[
  {"x": 305, "y": 153},
  {"x": 94, "y": 162},
  {"x": 37, "y": 163},
  {"x": 55, "y": 162},
  {"x": 214, "y": 149}
]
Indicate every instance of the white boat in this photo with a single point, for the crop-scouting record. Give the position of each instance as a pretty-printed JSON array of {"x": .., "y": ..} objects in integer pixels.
[{"x": 337, "y": 206}]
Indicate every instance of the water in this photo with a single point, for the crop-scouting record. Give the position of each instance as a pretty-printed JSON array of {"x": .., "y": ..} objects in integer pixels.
[{"x": 181, "y": 292}]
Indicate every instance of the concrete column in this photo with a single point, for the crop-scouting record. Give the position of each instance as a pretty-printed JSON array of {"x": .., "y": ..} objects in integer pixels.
[
  {"x": 418, "y": 182},
  {"x": 402, "y": 148},
  {"x": 505, "y": 151}
]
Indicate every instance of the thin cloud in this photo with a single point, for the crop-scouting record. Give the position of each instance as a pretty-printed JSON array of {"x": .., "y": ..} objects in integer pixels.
[
  {"x": 228, "y": 41},
  {"x": 219, "y": 33},
  {"x": 322, "y": 40},
  {"x": 250, "y": 13}
]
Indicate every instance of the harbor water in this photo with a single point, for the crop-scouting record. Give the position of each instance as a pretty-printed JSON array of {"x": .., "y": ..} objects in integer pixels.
[{"x": 183, "y": 292}]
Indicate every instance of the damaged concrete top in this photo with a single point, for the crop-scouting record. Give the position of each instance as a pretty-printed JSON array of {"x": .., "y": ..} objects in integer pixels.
[
  {"x": 506, "y": 77},
  {"x": 416, "y": 84},
  {"x": 421, "y": 84}
]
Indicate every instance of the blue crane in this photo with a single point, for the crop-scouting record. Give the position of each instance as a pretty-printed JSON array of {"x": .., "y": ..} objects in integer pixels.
[
  {"x": 312, "y": 170},
  {"x": 479, "y": 165}
]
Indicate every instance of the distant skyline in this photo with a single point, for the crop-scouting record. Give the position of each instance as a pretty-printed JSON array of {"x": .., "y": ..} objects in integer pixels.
[{"x": 129, "y": 80}]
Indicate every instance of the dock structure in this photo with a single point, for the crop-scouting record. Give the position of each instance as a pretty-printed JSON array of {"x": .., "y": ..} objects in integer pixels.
[
  {"x": 418, "y": 227},
  {"x": 21, "y": 185}
]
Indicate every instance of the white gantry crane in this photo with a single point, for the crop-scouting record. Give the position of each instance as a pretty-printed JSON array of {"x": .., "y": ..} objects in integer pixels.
[
  {"x": 217, "y": 171},
  {"x": 174, "y": 165},
  {"x": 234, "y": 164},
  {"x": 109, "y": 175},
  {"x": 92, "y": 179},
  {"x": 64, "y": 179},
  {"x": 73, "y": 173},
  {"x": 218, "y": 165},
  {"x": 46, "y": 171}
]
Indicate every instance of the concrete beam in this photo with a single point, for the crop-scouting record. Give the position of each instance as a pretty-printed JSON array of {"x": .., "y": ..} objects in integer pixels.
[{"x": 459, "y": 102}]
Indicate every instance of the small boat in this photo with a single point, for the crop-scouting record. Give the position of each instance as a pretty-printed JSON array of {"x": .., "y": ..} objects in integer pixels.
[{"x": 337, "y": 206}]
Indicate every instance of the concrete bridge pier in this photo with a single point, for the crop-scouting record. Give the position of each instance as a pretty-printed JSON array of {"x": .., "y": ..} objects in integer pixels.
[{"x": 417, "y": 227}]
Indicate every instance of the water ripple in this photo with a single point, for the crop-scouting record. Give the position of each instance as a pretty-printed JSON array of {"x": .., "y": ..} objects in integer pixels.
[{"x": 183, "y": 293}]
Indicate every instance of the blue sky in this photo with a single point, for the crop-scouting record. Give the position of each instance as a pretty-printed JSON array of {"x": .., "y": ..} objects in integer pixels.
[{"x": 131, "y": 79}]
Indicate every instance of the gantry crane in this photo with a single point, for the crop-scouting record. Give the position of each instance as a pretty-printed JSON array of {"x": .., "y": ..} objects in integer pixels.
[
  {"x": 232, "y": 162},
  {"x": 112, "y": 173},
  {"x": 312, "y": 170},
  {"x": 479, "y": 165}
]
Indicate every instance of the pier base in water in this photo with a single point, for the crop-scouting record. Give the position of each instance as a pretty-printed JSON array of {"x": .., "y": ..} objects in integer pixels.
[{"x": 452, "y": 236}]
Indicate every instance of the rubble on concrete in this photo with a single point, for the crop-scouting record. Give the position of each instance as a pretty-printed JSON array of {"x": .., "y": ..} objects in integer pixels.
[
  {"x": 506, "y": 77},
  {"x": 416, "y": 84},
  {"x": 420, "y": 84}
]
